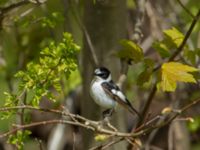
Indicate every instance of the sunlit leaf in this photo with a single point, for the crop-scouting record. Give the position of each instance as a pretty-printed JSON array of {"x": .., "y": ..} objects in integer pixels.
[
  {"x": 18, "y": 138},
  {"x": 173, "y": 72},
  {"x": 130, "y": 51},
  {"x": 101, "y": 137},
  {"x": 194, "y": 125},
  {"x": 166, "y": 110},
  {"x": 174, "y": 35},
  {"x": 172, "y": 40}
]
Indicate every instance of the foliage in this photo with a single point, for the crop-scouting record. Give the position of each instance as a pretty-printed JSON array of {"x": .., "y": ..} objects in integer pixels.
[
  {"x": 52, "y": 20},
  {"x": 130, "y": 51},
  {"x": 173, "y": 72},
  {"x": 51, "y": 73},
  {"x": 18, "y": 138},
  {"x": 101, "y": 137},
  {"x": 195, "y": 124},
  {"x": 55, "y": 61},
  {"x": 172, "y": 40}
]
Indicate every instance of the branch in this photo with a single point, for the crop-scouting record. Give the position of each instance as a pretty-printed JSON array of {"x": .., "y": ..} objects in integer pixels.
[
  {"x": 107, "y": 145},
  {"x": 90, "y": 124},
  {"x": 180, "y": 48},
  {"x": 185, "y": 8},
  {"x": 5, "y": 10},
  {"x": 13, "y": 6},
  {"x": 20, "y": 127},
  {"x": 176, "y": 53},
  {"x": 87, "y": 36}
]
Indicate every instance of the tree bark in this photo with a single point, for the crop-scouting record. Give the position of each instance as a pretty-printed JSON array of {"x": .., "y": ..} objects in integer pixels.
[{"x": 105, "y": 22}]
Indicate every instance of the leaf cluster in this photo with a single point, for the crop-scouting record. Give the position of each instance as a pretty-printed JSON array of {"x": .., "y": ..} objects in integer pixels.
[
  {"x": 18, "y": 138},
  {"x": 55, "y": 61},
  {"x": 171, "y": 72}
]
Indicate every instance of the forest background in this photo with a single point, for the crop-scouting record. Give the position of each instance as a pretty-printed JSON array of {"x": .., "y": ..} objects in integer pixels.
[{"x": 49, "y": 49}]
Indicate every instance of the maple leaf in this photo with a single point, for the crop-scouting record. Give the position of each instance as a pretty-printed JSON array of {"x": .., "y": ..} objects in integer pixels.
[
  {"x": 130, "y": 50},
  {"x": 172, "y": 72}
]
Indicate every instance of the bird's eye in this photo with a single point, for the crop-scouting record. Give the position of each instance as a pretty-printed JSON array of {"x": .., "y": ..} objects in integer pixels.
[{"x": 103, "y": 75}]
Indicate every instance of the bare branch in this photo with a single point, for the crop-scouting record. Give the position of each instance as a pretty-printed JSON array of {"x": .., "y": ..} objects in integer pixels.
[
  {"x": 90, "y": 124},
  {"x": 13, "y": 6},
  {"x": 185, "y": 8},
  {"x": 87, "y": 36},
  {"x": 107, "y": 145}
]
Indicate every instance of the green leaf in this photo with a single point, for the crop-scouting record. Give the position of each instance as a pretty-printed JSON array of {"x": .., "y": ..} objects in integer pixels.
[
  {"x": 146, "y": 74},
  {"x": 161, "y": 48},
  {"x": 172, "y": 40},
  {"x": 172, "y": 72},
  {"x": 174, "y": 35},
  {"x": 52, "y": 20},
  {"x": 190, "y": 55},
  {"x": 130, "y": 51},
  {"x": 194, "y": 125},
  {"x": 197, "y": 51},
  {"x": 55, "y": 61},
  {"x": 19, "y": 138}
]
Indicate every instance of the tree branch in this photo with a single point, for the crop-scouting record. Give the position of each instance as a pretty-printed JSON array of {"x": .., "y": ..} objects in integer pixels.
[
  {"x": 86, "y": 34},
  {"x": 176, "y": 53},
  {"x": 181, "y": 4},
  {"x": 90, "y": 124}
]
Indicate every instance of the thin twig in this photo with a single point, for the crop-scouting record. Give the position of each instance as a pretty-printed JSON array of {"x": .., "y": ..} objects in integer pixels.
[
  {"x": 13, "y": 6},
  {"x": 89, "y": 124},
  {"x": 185, "y": 8},
  {"x": 87, "y": 36},
  {"x": 176, "y": 53},
  {"x": 180, "y": 48},
  {"x": 20, "y": 127},
  {"x": 107, "y": 145}
]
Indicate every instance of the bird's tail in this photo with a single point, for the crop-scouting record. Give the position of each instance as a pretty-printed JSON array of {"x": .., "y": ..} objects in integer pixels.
[{"x": 132, "y": 110}]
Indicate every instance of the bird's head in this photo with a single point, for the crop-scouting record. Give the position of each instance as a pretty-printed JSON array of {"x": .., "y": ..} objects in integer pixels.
[{"x": 102, "y": 73}]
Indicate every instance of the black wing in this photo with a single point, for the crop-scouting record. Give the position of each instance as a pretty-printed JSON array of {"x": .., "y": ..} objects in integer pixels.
[{"x": 110, "y": 87}]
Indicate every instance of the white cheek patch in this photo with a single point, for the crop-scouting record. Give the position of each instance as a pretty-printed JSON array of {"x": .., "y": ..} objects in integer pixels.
[{"x": 97, "y": 71}]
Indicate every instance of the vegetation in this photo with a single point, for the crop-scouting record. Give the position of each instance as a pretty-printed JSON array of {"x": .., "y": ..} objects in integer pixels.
[{"x": 49, "y": 49}]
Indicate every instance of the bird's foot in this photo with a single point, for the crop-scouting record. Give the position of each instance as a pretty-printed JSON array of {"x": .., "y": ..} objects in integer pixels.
[{"x": 109, "y": 125}]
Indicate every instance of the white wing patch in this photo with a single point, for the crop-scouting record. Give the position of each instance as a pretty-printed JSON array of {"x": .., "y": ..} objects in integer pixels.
[{"x": 119, "y": 94}]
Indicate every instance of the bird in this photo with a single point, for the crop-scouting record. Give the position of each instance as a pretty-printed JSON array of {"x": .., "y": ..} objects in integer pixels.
[{"x": 107, "y": 94}]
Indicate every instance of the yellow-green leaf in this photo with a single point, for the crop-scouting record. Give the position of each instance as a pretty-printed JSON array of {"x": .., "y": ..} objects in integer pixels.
[
  {"x": 172, "y": 72},
  {"x": 130, "y": 51},
  {"x": 162, "y": 48},
  {"x": 174, "y": 35},
  {"x": 101, "y": 137}
]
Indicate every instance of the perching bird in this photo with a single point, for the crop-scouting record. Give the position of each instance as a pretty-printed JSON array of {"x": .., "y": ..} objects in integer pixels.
[{"x": 106, "y": 93}]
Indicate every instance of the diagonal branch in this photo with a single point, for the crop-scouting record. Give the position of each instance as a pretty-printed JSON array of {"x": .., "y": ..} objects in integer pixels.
[
  {"x": 188, "y": 11},
  {"x": 12, "y": 6},
  {"x": 176, "y": 53}
]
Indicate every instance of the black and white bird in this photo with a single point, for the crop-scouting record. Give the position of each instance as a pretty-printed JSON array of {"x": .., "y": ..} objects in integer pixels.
[{"x": 106, "y": 93}]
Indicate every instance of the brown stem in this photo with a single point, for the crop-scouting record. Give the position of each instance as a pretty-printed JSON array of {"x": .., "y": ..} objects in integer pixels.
[
  {"x": 89, "y": 124},
  {"x": 176, "y": 53},
  {"x": 180, "y": 48}
]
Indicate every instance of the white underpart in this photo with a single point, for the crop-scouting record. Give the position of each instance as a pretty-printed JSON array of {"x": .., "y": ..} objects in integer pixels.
[{"x": 99, "y": 95}]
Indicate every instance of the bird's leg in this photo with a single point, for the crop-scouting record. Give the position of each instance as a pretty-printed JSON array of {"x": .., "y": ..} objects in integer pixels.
[
  {"x": 106, "y": 118},
  {"x": 107, "y": 113}
]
